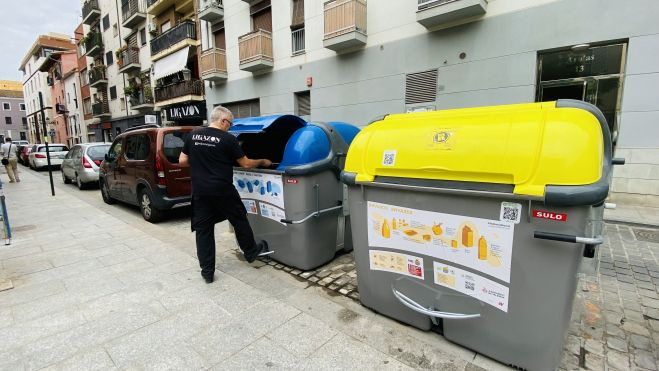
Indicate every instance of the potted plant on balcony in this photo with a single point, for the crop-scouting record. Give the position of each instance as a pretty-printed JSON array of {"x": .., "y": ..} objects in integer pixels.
[
  {"x": 132, "y": 91},
  {"x": 120, "y": 55}
]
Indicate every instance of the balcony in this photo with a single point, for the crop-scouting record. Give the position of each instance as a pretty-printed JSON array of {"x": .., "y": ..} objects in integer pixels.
[
  {"x": 255, "y": 50},
  {"x": 143, "y": 100},
  {"x": 434, "y": 13},
  {"x": 211, "y": 10},
  {"x": 90, "y": 12},
  {"x": 101, "y": 110},
  {"x": 156, "y": 7},
  {"x": 183, "y": 35},
  {"x": 129, "y": 60},
  {"x": 134, "y": 13},
  {"x": 213, "y": 65},
  {"x": 97, "y": 77},
  {"x": 345, "y": 24},
  {"x": 93, "y": 44},
  {"x": 178, "y": 92}
]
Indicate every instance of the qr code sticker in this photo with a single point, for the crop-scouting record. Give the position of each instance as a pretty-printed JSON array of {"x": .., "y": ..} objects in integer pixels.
[
  {"x": 469, "y": 286},
  {"x": 510, "y": 212},
  {"x": 389, "y": 158}
]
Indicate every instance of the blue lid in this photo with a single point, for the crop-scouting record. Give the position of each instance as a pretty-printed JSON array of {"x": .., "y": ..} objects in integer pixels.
[
  {"x": 347, "y": 131},
  {"x": 265, "y": 123},
  {"x": 306, "y": 145}
]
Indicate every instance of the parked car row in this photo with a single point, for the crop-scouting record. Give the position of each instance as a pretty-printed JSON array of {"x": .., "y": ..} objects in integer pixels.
[{"x": 139, "y": 168}]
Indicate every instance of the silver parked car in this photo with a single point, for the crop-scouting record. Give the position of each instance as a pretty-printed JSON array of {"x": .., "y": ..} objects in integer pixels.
[
  {"x": 38, "y": 160},
  {"x": 81, "y": 164}
]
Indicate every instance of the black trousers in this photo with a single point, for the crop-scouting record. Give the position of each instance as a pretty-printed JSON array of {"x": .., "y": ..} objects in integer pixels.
[{"x": 209, "y": 210}]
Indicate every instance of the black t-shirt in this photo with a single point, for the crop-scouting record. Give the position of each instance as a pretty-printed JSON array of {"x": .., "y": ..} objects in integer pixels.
[{"x": 212, "y": 155}]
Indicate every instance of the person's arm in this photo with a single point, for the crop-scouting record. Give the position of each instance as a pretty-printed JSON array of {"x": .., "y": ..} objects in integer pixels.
[
  {"x": 248, "y": 163},
  {"x": 183, "y": 159}
]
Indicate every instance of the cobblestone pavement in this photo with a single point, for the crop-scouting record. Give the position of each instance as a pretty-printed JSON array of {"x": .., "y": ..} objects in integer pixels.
[{"x": 615, "y": 319}]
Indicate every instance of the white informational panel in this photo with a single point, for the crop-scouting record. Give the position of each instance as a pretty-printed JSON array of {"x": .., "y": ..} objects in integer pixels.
[{"x": 266, "y": 190}]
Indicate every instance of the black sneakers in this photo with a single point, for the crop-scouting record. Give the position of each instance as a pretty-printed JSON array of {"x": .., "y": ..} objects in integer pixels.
[
  {"x": 262, "y": 251},
  {"x": 208, "y": 279}
]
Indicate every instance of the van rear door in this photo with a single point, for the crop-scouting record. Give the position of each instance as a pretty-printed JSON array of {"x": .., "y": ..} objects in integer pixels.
[{"x": 177, "y": 177}]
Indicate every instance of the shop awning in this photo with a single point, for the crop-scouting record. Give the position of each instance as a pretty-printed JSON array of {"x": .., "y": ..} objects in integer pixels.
[{"x": 170, "y": 64}]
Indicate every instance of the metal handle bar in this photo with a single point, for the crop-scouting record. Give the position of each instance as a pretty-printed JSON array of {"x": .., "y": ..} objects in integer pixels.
[
  {"x": 313, "y": 214},
  {"x": 597, "y": 240},
  {"x": 429, "y": 312}
]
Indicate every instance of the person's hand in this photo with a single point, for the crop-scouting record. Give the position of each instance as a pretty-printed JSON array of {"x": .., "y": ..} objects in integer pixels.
[{"x": 266, "y": 163}]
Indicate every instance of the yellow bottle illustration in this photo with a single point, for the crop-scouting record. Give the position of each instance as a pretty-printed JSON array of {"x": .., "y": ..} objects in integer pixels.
[
  {"x": 482, "y": 248},
  {"x": 454, "y": 244},
  {"x": 386, "y": 232},
  {"x": 394, "y": 224},
  {"x": 467, "y": 236},
  {"x": 437, "y": 229}
]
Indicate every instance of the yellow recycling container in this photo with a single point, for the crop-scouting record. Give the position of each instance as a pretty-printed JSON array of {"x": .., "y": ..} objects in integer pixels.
[{"x": 475, "y": 221}]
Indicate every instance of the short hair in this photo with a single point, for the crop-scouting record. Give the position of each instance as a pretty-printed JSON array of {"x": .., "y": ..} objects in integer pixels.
[
  {"x": 7, "y": 139},
  {"x": 220, "y": 113}
]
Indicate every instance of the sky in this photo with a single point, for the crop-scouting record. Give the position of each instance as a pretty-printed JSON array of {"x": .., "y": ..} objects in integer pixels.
[{"x": 24, "y": 20}]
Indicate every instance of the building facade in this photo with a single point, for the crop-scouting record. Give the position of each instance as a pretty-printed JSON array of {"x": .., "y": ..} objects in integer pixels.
[
  {"x": 60, "y": 66},
  {"x": 13, "y": 123},
  {"x": 354, "y": 60},
  {"x": 35, "y": 81}
]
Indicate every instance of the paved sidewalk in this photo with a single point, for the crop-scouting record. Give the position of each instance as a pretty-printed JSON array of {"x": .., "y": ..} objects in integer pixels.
[
  {"x": 96, "y": 287},
  {"x": 640, "y": 215},
  {"x": 615, "y": 319}
]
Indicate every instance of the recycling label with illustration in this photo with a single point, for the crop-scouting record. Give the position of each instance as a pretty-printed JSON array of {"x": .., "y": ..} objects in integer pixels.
[
  {"x": 267, "y": 189},
  {"x": 479, "y": 244},
  {"x": 478, "y": 287},
  {"x": 396, "y": 263}
]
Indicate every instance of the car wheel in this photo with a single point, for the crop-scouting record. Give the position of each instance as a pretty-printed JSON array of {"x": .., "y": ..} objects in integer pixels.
[
  {"x": 149, "y": 212},
  {"x": 65, "y": 179},
  {"x": 105, "y": 193},
  {"x": 81, "y": 185}
]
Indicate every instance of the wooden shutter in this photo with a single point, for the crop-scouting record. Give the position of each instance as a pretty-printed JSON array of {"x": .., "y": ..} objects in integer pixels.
[
  {"x": 220, "y": 39},
  {"x": 263, "y": 20},
  {"x": 298, "y": 13},
  {"x": 421, "y": 87}
]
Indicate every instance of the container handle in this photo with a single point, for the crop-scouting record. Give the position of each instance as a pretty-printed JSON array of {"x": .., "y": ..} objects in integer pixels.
[
  {"x": 313, "y": 214},
  {"x": 429, "y": 312},
  {"x": 597, "y": 240}
]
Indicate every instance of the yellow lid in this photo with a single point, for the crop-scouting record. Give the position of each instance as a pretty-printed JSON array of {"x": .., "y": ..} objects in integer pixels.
[{"x": 525, "y": 145}]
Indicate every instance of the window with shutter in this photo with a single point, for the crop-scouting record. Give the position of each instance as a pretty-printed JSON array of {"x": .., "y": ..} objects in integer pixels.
[
  {"x": 303, "y": 103},
  {"x": 421, "y": 87}
]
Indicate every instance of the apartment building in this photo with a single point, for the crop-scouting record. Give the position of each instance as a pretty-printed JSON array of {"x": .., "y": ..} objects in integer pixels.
[
  {"x": 63, "y": 81},
  {"x": 13, "y": 123},
  {"x": 116, "y": 47},
  {"x": 354, "y": 60},
  {"x": 84, "y": 102},
  {"x": 34, "y": 82}
]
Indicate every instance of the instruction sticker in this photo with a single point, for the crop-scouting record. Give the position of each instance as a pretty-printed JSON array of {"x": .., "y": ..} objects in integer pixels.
[
  {"x": 389, "y": 158},
  {"x": 471, "y": 284},
  {"x": 272, "y": 212},
  {"x": 260, "y": 187},
  {"x": 250, "y": 206},
  {"x": 387, "y": 261},
  {"x": 510, "y": 212},
  {"x": 480, "y": 244}
]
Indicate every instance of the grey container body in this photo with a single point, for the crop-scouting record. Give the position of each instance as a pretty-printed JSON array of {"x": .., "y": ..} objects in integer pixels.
[
  {"x": 315, "y": 242},
  {"x": 542, "y": 284}
]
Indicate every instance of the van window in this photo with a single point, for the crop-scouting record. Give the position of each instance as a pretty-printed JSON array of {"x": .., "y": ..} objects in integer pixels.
[
  {"x": 173, "y": 144},
  {"x": 137, "y": 147}
]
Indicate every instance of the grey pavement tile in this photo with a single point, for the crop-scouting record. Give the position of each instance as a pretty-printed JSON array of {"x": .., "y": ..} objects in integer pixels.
[
  {"x": 171, "y": 356},
  {"x": 95, "y": 359},
  {"x": 6, "y": 317},
  {"x": 28, "y": 293},
  {"x": 172, "y": 329},
  {"x": 219, "y": 341},
  {"x": 260, "y": 355},
  {"x": 267, "y": 315},
  {"x": 344, "y": 352},
  {"x": 58, "y": 273},
  {"x": 17, "y": 269},
  {"x": 302, "y": 335},
  {"x": 11, "y": 251},
  {"x": 645, "y": 359},
  {"x": 25, "y": 332},
  {"x": 58, "y": 347}
]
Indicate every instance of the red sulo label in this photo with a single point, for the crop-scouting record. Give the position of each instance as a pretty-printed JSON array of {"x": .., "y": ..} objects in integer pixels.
[
  {"x": 549, "y": 215},
  {"x": 291, "y": 181}
]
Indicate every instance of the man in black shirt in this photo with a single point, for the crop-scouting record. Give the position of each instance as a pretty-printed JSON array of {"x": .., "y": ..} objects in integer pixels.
[{"x": 211, "y": 153}]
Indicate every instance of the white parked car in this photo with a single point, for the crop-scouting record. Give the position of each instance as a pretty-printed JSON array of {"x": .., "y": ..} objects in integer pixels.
[{"x": 38, "y": 160}]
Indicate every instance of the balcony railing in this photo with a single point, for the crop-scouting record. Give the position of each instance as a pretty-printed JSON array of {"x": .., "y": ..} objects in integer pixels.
[
  {"x": 90, "y": 10},
  {"x": 97, "y": 76},
  {"x": 171, "y": 37},
  {"x": 143, "y": 98},
  {"x": 100, "y": 109},
  {"x": 213, "y": 64},
  {"x": 134, "y": 12},
  {"x": 179, "y": 89},
  {"x": 297, "y": 37},
  {"x": 129, "y": 60},
  {"x": 433, "y": 13},
  {"x": 344, "y": 16},
  {"x": 255, "y": 46},
  {"x": 211, "y": 10},
  {"x": 93, "y": 43}
]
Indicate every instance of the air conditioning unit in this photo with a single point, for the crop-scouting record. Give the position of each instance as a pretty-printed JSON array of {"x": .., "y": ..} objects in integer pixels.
[{"x": 151, "y": 27}]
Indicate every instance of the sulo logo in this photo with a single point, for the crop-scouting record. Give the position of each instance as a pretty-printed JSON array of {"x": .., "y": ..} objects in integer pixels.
[
  {"x": 441, "y": 137},
  {"x": 550, "y": 215}
]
